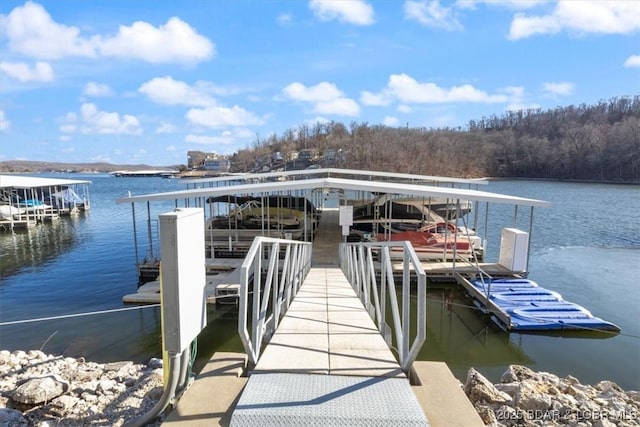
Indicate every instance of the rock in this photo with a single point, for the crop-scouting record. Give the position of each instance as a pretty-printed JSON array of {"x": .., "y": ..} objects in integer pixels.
[
  {"x": 87, "y": 393},
  {"x": 604, "y": 423},
  {"x": 510, "y": 388},
  {"x": 528, "y": 399},
  {"x": 154, "y": 363},
  {"x": 607, "y": 386},
  {"x": 634, "y": 395},
  {"x": 117, "y": 366},
  {"x": 39, "y": 390},
  {"x": 12, "y": 418},
  {"x": 517, "y": 373},
  {"x": 480, "y": 389},
  {"x": 65, "y": 402},
  {"x": 106, "y": 386},
  {"x": 487, "y": 415}
]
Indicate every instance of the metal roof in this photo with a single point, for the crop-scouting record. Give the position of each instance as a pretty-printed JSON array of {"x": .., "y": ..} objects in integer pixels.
[
  {"x": 21, "y": 181},
  {"x": 413, "y": 190},
  {"x": 337, "y": 173}
]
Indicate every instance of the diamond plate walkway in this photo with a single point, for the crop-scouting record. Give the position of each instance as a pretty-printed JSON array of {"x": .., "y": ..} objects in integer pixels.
[{"x": 327, "y": 364}]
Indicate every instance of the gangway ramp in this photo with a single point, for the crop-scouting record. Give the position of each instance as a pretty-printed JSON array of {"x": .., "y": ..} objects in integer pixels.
[
  {"x": 327, "y": 364},
  {"x": 328, "y": 238}
]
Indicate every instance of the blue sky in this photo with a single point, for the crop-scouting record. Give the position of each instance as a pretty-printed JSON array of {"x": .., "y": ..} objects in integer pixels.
[{"x": 146, "y": 81}]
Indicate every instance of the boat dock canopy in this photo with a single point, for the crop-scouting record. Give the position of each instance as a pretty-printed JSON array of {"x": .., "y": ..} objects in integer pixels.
[
  {"x": 341, "y": 173},
  {"x": 23, "y": 182},
  {"x": 408, "y": 189}
]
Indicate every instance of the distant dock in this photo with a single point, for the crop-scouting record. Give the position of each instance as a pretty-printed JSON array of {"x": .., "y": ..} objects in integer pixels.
[
  {"x": 26, "y": 201},
  {"x": 145, "y": 173}
]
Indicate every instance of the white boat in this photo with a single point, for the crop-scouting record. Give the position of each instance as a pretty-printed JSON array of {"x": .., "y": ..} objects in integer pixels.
[{"x": 8, "y": 212}]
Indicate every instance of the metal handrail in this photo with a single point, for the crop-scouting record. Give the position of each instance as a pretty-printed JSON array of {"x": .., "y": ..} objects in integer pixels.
[
  {"x": 357, "y": 263},
  {"x": 270, "y": 278}
]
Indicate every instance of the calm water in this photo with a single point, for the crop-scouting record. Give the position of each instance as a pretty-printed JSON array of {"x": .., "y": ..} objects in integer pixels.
[{"x": 587, "y": 247}]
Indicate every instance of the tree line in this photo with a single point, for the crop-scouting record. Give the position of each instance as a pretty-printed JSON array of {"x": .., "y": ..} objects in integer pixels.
[{"x": 587, "y": 142}]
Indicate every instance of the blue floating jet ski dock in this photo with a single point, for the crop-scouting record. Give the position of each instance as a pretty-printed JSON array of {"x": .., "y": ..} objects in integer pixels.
[
  {"x": 521, "y": 305},
  {"x": 516, "y": 303}
]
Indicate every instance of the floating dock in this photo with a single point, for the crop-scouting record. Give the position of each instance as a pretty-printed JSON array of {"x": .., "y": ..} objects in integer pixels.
[
  {"x": 518, "y": 304},
  {"x": 323, "y": 360},
  {"x": 524, "y": 311},
  {"x": 26, "y": 201}
]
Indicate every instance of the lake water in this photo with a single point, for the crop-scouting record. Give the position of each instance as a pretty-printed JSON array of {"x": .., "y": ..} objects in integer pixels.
[{"x": 586, "y": 247}]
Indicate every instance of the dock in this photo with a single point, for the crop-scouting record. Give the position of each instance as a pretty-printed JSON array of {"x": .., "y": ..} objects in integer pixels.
[
  {"x": 326, "y": 364},
  {"x": 318, "y": 347},
  {"x": 26, "y": 201},
  {"x": 223, "y": 282}
]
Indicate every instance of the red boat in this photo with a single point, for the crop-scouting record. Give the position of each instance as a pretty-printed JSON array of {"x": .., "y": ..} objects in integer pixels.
[{"x": 429, "y": 245}]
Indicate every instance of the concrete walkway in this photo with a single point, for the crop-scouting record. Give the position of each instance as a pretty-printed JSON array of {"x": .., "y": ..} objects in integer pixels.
[{"x": 327, "y": 331}]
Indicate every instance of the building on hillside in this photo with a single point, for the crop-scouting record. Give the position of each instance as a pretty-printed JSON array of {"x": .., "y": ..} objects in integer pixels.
[
  {"x": 199, "y": 160},
  {"x": 195, "y": 159},
  {"x": 218, "y": 164},
  {"x": 309, "y": 154}
]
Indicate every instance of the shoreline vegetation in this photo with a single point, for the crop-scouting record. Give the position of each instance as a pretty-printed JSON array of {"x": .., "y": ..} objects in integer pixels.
[
  {"x": 45, "y": 389},
  {"x": 583, "y": 143}
]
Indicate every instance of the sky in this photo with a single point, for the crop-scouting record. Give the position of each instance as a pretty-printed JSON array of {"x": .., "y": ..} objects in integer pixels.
[{"x": 146, "y": 81}]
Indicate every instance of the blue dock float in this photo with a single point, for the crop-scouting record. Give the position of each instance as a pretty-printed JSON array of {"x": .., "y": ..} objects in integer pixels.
[{"x": 522, "y": 305}]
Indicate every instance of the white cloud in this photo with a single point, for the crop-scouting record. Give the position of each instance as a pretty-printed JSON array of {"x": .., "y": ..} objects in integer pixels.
[
  {"x": 580, "y": 17},
  {"x": 431, "y": 14},
  {"x": 166, "y": 128},
  {"x": 516, "y": 99},
  {"x": 5, "y": 124},
  {"x": 171, "y": 148},
  {"x": 30, "y": 31},
  {"x": 227, "y": 137},
  {"x": 209, "y": 140},
  {"x": 558, "y": 88},
  {"x": 325, "y": 97},
  {"x": 356, "y": 12},
  {"x": 166, "y": 90},
  {"x": 41, "y": 72},
  {"x": 407, "y": 90},
  {"x": 97, "y": 89},
  {"x": 374, "y": 99},
  {"x": 174, "y": 42},
  {"x": 68, "y": 128},
  {"x": 508, "y": 4},
  {"x": 94, "y": 121},
  {"x": 632, "y": 61},
  {"x": 285, "y": 19},
  {"x": 216, "y": 117},
  {"x": 402, "y": 108},
  {"x": 391, "y": 121}
]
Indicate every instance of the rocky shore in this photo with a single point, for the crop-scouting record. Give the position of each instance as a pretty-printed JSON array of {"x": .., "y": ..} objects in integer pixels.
[
  {"x": 524, "y": 397},
  {"x": 41, "y": 390}
]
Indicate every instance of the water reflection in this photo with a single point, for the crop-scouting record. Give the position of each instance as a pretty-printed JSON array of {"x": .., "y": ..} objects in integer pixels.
[
  {"x": 37, "y": 245},
  {"x": 457, "y": 332},
  {"x": 102, "y": 337}
]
